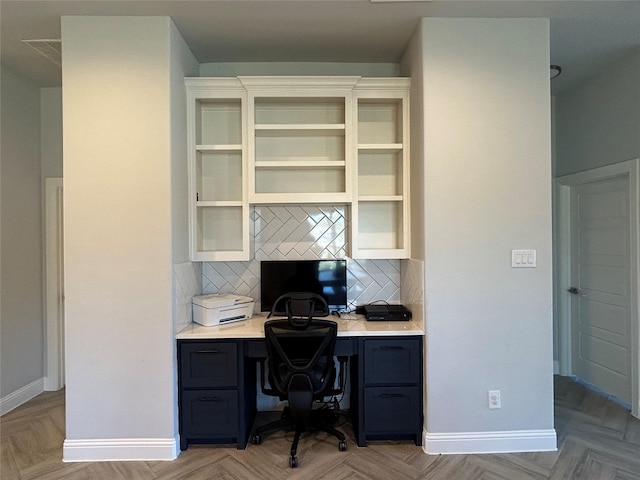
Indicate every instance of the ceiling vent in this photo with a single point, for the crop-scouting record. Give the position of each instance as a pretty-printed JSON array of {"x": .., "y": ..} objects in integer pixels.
[{"x": 52, "y": 49}]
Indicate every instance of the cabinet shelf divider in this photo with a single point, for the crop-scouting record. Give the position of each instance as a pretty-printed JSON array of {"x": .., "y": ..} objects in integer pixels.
[
  {"x": 219, "y": 148},
  {"x": 300, "y": 163},
  {"x": 302, "y": 126},
  {"x": 380, "y": 198},
  {"x": 380, "y": 147},
  {"x": 220, "y": 203}
]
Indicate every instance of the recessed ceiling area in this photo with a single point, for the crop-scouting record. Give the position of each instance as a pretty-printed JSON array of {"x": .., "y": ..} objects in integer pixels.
[{"x": 585, "y": 35}]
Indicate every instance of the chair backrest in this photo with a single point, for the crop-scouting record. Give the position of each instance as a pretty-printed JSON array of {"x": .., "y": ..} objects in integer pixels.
[
  {"x": 300, "y": 307},
  {"x": 301, "y": 355}
]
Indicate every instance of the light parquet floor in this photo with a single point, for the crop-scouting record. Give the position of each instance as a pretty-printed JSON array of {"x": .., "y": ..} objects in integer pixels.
[{"x": 597, "y": 440}]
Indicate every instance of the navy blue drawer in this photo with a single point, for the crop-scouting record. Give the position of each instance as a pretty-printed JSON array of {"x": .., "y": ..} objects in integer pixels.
[
  {"x": 392, "y": 361},
  {"x": 208, "y": 364},
  {"x": 392, "y": 410},
  {"x": 209, "y": 413}
]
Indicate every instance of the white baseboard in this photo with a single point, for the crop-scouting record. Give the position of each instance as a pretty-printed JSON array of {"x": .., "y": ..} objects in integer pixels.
[
  {"x": 491, "y": 442},
  {"x": 51, "y": 385},
  {"x": 21, "y": 396},
  {"x": 120, "y": 449}
]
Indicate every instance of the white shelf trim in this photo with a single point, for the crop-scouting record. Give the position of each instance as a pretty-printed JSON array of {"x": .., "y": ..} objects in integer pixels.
[
  {"x": 219, "y": 148},
  {"x": 219, "y": 203},
  {"x": 390, "y": 147},
  {"x": 277, "y": 198},
  {"x": 300, "y": 126},
  {"x": 380, "y": 198},
  {"x": 300, "y": 163}
]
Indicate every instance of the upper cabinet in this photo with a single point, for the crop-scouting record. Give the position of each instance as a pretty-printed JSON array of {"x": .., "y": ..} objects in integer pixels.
[
  {"x": 217, "y": 157},
  {"x": 380, "y": 208},
  {"x": 299, "y": 133},
  {"x": 297, "y": 140}
]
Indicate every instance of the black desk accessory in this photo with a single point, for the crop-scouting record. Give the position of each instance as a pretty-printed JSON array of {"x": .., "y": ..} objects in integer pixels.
[{"x": 386, "y": 313}]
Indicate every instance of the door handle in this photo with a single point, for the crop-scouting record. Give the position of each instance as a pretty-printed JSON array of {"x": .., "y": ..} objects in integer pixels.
[{"x": 575, "y": 291}]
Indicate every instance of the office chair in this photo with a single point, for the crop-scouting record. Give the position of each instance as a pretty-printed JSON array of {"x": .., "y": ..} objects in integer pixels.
[{"x": 300, "y": 358}]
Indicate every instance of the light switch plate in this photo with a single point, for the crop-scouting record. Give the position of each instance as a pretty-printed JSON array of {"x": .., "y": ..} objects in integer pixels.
[{"x": 523, "y": 258}]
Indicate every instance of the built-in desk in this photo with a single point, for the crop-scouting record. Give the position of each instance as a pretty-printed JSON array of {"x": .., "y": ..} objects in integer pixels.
[{"x": 217, "y": 379}]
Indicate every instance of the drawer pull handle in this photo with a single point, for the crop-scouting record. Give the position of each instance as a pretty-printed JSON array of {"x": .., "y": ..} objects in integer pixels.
[
  {"x": 207, "y": 351},
  {"x": 394, "y": 347},
  {"x": 209, "y": 399},
  {"x": 391, "y": 395}
]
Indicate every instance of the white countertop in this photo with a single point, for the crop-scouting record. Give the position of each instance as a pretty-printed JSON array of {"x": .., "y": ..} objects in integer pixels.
[{"x": 349, "y": 325}]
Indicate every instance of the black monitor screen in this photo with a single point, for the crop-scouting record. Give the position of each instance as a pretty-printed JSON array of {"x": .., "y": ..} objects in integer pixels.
[{"x": 327, "y": 278}]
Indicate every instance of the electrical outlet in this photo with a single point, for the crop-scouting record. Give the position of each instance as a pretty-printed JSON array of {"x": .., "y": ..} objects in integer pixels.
[{"x": 494, "y": 399}]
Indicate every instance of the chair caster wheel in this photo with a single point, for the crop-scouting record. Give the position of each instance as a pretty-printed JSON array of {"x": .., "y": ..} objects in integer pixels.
[
  {"x": 293, "y": 461},
  {"x": 257, "y": 440},
  {"x": 342, "y": 446}
]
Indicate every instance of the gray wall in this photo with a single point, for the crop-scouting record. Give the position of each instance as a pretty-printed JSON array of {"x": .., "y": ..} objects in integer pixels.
[
  {"x": 21, "y": 320},
  {"x": 487, "y": 190},
  {"x": 119, "y": 156},
  {"x": 598, "y": 122}
]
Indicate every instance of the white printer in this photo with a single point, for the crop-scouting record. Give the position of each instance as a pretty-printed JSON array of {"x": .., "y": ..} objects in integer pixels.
[{"x": 218, "y": 309}]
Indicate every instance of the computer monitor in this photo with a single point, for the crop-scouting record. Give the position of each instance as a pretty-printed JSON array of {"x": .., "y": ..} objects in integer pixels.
[{"x": 327, "y": 278}]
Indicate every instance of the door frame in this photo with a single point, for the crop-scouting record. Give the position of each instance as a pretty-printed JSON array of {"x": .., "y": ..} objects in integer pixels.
[
  {"x": 54, "y": 378},
  {"x": 630, "y": 169}
]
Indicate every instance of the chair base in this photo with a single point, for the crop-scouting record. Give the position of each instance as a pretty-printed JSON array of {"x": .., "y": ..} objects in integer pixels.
[{"x": 318, "y": 420}]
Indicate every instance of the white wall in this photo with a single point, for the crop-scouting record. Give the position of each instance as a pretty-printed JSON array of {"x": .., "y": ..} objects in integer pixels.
[
  {"x": 598, "y": 122},
  {"x": 487, "y": 187},
  {"x": 118, "y": 82},
  {"x": 51, "y": 131},
  {"x": 21, "y": 310}
]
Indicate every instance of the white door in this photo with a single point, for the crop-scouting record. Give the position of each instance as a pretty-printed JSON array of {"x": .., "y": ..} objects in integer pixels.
[{"x": 601, "y": 285}]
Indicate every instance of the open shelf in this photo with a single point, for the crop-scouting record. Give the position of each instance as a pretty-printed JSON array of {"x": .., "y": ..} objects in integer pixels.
[
  {"x": 219, "y": 175},
  {"x": 218, "y": 121},
  {"x": 307, "y": 111},
  {"x": 380, "y": 225},
  {"x": 381, "y": 201},
  {"x": 380, "y": 121},
  {"x": 380, "y": 173},
  {"x": 301, "y": 179},
  {"x": 299, "y": 149},
  {"x": 220, "y": 229},
  {"x": 299, "y": 145},
  {"x": 217, "y": 156}
]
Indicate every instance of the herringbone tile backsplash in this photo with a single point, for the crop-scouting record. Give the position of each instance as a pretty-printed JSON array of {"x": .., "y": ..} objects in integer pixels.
[
  {"x": 298, "y": 233},
  {"x": 306, "y": 232}
]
